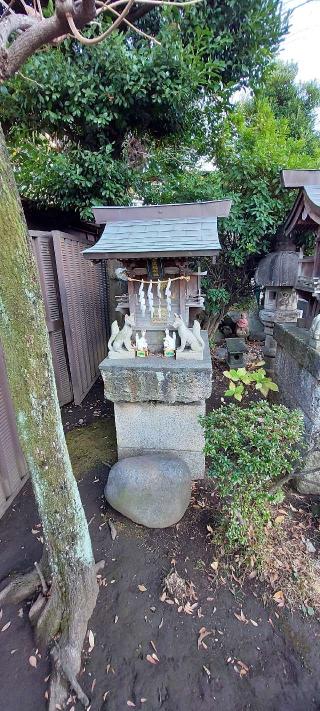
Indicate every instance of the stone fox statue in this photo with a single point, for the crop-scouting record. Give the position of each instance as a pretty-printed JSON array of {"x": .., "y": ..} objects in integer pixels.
[
  {"x": 188, "y": 337},
  {"x": 120, "y": 339},
  {"x": 315, "y": 328}
]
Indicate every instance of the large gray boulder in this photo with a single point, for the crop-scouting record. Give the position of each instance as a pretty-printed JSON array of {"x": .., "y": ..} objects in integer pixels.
[{"x": 152, "y": 489}]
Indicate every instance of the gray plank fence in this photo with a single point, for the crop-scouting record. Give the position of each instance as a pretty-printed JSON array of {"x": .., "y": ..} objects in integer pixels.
[
  {"x": 75, "y": 298},
  {"x": 13, "y": 470}
]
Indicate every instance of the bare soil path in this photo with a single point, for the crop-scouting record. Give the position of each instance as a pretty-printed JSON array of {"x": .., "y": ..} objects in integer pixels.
[
  {"x": 278, "y": 652},
  {"x": 271, "y": 662}
]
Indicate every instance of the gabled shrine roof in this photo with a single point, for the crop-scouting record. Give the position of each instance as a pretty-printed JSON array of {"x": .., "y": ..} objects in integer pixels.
[
  {"x": 306, "y": 208},
  {"x": 159, "y": 230}
]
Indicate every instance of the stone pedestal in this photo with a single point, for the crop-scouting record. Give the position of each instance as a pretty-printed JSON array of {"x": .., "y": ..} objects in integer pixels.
[
  {"x": 297, "y": 367},
  {"x": 280, "y": 307},
  {"x": 157, "y": 403}
]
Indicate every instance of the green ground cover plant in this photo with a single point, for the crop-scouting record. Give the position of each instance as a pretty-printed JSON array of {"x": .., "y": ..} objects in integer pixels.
[{"x": 251, "y": 450}]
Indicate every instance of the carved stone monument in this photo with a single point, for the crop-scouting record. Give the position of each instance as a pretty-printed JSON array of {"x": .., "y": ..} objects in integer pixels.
[
  {"x": 158, "y": 398},
  {"x": 277, "y": 273}
]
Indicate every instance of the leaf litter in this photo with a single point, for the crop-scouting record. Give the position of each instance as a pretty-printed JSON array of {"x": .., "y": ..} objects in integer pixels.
[{"x": 179, "y": 591}]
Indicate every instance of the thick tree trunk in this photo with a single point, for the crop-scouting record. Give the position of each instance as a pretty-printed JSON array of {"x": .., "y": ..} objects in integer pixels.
[{"x": 24, "y": 339}]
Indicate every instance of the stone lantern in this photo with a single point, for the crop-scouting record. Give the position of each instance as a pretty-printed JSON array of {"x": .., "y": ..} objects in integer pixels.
[{"x": 277, "y": 273}]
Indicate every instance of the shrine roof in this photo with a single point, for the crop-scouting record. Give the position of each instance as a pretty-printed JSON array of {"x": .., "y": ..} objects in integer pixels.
[
  {"x": 305, "y": 211},
  {"x": 159, "y": 230}
]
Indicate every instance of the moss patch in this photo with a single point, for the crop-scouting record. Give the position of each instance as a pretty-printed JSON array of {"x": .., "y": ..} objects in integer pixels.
[{"x": 92, "y": 445}]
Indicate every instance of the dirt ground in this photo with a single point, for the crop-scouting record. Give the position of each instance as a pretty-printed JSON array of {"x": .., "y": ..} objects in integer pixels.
[{"x": 147, "y": 654}]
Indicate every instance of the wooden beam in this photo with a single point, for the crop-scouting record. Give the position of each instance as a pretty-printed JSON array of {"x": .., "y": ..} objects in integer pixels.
[{"x": 212, "y": 208}]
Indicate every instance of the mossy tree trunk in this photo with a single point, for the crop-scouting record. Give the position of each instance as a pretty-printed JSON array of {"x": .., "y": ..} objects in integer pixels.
[{"x": 24, "y": 338}]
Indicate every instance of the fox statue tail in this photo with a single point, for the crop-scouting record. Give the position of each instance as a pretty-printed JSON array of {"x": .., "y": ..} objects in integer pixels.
[
  {"x": 114, "y": 332},
  {"x": 196, "y": 330}
]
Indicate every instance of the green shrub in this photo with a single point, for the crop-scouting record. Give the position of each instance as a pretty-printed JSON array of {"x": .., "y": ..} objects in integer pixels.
[
  {"x": 250, "y": 450},
  {"x": 242, "y": 377}
]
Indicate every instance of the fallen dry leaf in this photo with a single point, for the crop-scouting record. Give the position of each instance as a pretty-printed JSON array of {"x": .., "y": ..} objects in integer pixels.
[
  {"x": 203, "y": 633},
  {"x": 33, "y": 661},
  {"x": 91, "y": 639},
  {"x": 150, "y": 658},
  {"x": 105, "y": 695},
  {"x": 243, "y": 665},
  {"x": 207, "y": 671},
  {"x": 6, "y": 626},
  {"x": 131, "y": 704},
  {"x": 143, "y": 701},
  {"x": 254, "y": 623},
  {"x": 153, "y": 646},
  {"x": 113, "y": 530},
  {"x": 279, "y": 598},
  {"x": 279, "y": 519},
  {"x": 142, "y": 588},
  {"x": 188, "y": 609},
  {"x": 214, "y": 565},
  {"x": 241, "y": 617}
]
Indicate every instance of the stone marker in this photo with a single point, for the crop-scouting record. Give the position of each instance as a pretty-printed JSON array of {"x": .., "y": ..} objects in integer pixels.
[{"x": 153, "y": 489}]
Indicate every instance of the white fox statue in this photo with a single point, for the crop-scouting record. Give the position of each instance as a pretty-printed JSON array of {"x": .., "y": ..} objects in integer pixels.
[
  {"x": 187, "y": 337},
  {"x": 121, "y": 339}
]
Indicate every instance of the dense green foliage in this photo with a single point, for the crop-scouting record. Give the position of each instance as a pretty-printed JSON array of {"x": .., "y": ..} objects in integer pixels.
[
  {"x": 242, "y": 378},
  {"x": 71, "y": 124},
  {"x": 81, "y": 132},
  {"x": 262, "y": 135},
  {"x": 250, "y": 449}
]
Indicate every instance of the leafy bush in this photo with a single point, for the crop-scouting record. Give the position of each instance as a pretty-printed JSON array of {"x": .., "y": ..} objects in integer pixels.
[
  {"x": 242, "y": 377},
  {"x": 250, "y": 449}
]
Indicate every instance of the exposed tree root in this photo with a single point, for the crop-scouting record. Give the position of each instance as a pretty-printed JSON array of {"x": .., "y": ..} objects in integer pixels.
[
  {"x": 49, "y": 621},
  {"x": 23, "y": 586},
  {"x": 64, "y": 609}
]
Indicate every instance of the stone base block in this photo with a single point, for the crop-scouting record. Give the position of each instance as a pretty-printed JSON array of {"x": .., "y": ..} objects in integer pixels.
[
  {"x": 149, "y": 427},
  {"x": 189, "y": 355},
  {"x": 156, "y": 378},
  {"x": 121, "y": 355}
]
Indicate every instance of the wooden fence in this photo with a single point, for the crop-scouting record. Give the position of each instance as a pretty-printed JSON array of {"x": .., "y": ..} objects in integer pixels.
[
  {"x": 75, "y": 298},
  {"x": 13, "y": 470}
]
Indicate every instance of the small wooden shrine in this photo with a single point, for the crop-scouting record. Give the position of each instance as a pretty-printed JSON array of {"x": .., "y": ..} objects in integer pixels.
[
  {"x": 159, "y": 247},
  {"x": 158, "y": 400},
  {"x": 304, "y": 219}
]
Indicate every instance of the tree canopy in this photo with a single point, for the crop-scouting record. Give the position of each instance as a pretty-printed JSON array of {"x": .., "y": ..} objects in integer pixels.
[
  {"x": 255, "y": 141},
  {"x": 73, "y": 122}
]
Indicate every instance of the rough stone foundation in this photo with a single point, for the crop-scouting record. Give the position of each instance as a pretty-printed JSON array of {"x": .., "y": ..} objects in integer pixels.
[{"x": 157, "y": 403}]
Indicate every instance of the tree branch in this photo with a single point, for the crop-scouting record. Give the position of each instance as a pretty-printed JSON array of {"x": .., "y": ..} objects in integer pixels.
[
  {"x": 107, "y": 8},
  {"x": 100, "y": 38},
  {"x": 35, "y": 31},
  {"x": 13, "y": 23}
]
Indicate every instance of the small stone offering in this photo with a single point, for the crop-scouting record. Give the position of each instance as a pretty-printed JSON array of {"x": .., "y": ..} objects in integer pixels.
[{"x": 152, "y": 489}]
